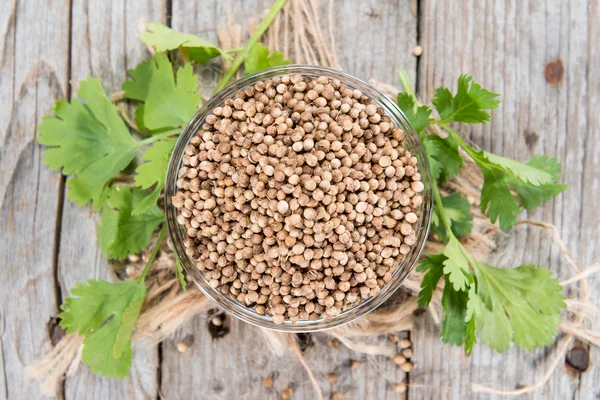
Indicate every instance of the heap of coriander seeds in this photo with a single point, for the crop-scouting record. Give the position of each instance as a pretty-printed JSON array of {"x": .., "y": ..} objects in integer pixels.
[{"x": 298, "y": 197}]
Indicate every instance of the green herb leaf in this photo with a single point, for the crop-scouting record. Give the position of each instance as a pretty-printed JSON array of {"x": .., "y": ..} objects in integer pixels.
[
  {"x": 454, "y": 326},
  {"x": 470, "y": 335},
  {"x": 533, "y": 179},
  {"x": 167, "y": 104},
  {"x": 417, "y": 116},
  {"x": 259, "y": 59},
  {"x": 433, "y": 266},
  {"x": 533, "y": 173},
  {"x": 457, "y": 265},
  {"x": 468, "y": 105},
  {"x": 534, "y": 196},
  {"x": 153, "y": 173},
  {"x": 543, "y": 163},
  {"x": 105, "y": 314},
  {"x": 120, "y": 232},
  {"x": 496, "y": 200},
  {"x": 163, "y": 38},
  {"x": 432, "y": 152},
  {"x": 179, "y": 273},
  {"x": 89, "y": 141},
  {"x": 457, "y": 211},
  {"x": 443, "y": 156},
  {"x": 517, "y": 304}
]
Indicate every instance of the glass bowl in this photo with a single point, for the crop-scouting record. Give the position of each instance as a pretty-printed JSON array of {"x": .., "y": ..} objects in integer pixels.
[{"x": 239, "y": 310}]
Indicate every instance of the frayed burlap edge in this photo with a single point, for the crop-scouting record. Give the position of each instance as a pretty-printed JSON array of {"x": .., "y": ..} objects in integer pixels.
[{"x": 297, "y": 33}]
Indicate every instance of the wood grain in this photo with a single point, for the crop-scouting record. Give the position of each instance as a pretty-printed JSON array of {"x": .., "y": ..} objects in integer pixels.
[
  {"x": 506, "y": 46},
  {"x": 104, "y": 45},
  {"x": 234, "y": 366},
  {"x": 33, "y": 74}
]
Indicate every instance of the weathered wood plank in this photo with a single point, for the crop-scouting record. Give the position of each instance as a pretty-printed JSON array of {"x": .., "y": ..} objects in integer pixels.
[
  {"x": 234, "y": 366},
  {"x": 505, "y": 46},
  {"x": 375, "y": 39},
  {"x": 104, "y": 44},
  {"x": 589, "y": 235},
  {"x": 33, "y": 74}
]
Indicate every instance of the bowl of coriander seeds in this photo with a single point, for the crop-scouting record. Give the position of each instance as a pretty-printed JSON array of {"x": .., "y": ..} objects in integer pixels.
[{"x": 298, "y": 198}]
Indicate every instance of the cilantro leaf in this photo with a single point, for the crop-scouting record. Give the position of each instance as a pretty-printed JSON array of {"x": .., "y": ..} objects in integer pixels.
[
  {"x": 432, "y": 152},
  {"x": 406, "y": 102},
  {"x": 457, "y": 211},
  {"x": 517, "y": 304},
  {"x": 120, "y": 232},
  {"x": 454, "y": 326},
  {"x": 179, "y": 273},
  {"x": 417, "y": 116},
  {"x": 470, "y": 335},
  {"x": 534, "y": 196},
  {"x": 457, "y": 265},
  {"x": 496, "y": 200},
  {"x": 468, "y": 105},
  {"x": 259, "y": 59},
  {"x": 153, "y": 172},
  {"x": 534, "y": 174},
  {"x": 492, "y": 328},
  {"x": 550, "y": 165},
  {"x": 533, "y": 182},
  {"x": 433, "y": 266},
  {"x": 443, "y": 156},
  {"x": 105, "y": 314},
  {"x": 89, "y": 141},
  {"x": 167, "y": 104},
  {"x": 163, "y": 38}
]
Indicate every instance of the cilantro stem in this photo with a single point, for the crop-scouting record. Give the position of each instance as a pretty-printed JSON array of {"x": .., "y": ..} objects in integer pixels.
[
  {"x": 456, "y": 136},
  {"x": 440, "y": 208},
  {"x": 161, "y": 237},
  {"x": 260, "y": 30},
  {"x": 408, "y": 88},
  {"x": 474, "y": 154},
  {"x": 159, "y": 136}
]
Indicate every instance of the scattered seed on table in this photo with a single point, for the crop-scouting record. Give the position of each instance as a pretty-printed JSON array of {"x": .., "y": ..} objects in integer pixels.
[
  {"x": 399, "y": 359},
  {"x": 298, "y": 196},
  {"x": 332, "y": 377},
  {"x": 268, "y": 381},
  {"x": 405, "y": 343},
  {"x": 337, "y": 396},
  {"x": 407, "y": 366},
  {"x": 400, "y": 387},
  {"x": 182, "y": 347},
  {"x": 355, "y": 364},
  {"x": 286, "y": 394},
  {"x": 407, "y": 353}
]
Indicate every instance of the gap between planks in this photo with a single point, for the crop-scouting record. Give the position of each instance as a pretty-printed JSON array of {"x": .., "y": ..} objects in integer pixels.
[{"x": 61, "y": 196}]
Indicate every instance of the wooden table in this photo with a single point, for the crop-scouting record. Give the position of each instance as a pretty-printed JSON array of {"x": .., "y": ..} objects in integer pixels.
[{"x": 48, "y": 243}]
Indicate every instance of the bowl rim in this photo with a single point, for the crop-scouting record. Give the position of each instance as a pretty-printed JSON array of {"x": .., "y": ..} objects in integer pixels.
[{"x": 400, "y": 272}]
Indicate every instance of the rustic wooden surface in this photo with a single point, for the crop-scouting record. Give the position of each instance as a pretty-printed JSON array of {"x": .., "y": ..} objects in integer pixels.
[{"x": 48, "y": 243}]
